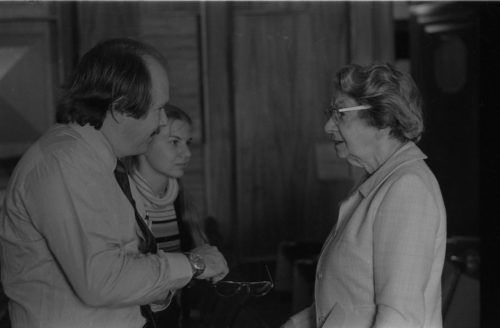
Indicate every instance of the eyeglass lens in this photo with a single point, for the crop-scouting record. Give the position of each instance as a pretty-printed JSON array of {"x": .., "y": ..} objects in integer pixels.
[
  {"x": 231, "y": 288},
  {"x": 333, "y": 112},
  {"x": 257, "y": 289}
]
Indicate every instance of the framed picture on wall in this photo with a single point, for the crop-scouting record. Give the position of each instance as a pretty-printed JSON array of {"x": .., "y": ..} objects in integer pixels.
[
  {"x": 27, "y": 82},
  {"x": 28, "y": 76}
]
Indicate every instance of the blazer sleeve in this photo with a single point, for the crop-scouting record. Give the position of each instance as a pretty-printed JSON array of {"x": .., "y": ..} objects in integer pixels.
[
  {"x": 405, "y": 229},
  {"x": 303, "y": 319}
]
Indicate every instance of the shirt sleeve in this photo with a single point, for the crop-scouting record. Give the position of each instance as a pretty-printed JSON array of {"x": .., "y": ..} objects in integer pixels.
[
  {"x": 404, "y": 233},
  {"x": 162, "y": 305},
  {"x": 74, "y": 206}
]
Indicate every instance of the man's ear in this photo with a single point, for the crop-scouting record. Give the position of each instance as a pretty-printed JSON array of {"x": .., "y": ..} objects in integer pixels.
[{"x": 116, "y": 112}]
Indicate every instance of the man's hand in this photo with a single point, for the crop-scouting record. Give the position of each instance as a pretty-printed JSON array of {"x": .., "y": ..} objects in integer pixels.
[{"x": 216, "y": 265}]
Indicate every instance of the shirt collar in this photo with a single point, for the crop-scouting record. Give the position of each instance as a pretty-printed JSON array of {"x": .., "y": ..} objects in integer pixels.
[
  {"x": 97, "y": 142},
  {"x": 407, "y": 153}
]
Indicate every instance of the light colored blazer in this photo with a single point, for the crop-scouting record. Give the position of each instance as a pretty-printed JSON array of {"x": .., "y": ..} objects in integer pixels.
[{"x": 381, "y": 266}]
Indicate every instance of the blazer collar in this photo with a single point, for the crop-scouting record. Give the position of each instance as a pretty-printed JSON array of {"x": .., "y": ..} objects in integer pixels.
[{"x": 407, "y": 153}]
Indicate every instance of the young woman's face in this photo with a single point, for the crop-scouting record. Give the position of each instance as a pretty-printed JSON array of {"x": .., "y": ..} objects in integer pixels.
[{"x": 169, "y": 152}]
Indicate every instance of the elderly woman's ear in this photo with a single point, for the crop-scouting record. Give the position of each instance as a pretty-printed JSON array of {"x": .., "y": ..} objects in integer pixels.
[{"x": 383, "y": 133}]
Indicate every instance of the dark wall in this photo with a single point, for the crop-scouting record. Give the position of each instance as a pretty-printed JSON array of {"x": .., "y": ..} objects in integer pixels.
[
  {"x": 445, "y": 63},
  {"x": 256, "y": 76},
  {"x": 490, "y": 159}
]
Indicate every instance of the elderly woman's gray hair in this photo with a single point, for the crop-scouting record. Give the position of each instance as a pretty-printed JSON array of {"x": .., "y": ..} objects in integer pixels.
[{"x": 393, "y": 96}]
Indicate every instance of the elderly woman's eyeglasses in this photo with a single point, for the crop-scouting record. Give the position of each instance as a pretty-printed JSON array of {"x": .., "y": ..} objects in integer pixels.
[
  {"x": 227, "y": 288},
  {"x": 336, "y": 113}
]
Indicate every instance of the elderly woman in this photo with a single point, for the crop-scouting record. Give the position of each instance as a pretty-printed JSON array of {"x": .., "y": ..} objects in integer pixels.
[{"x": 381, "y": 266}]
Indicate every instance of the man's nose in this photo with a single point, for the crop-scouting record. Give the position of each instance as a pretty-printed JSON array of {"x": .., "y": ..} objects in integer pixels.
[{"x": 163, "y": 118}]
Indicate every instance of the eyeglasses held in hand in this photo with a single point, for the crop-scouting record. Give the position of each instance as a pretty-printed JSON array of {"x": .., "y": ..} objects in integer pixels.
[{"x": 227, "y": 288}]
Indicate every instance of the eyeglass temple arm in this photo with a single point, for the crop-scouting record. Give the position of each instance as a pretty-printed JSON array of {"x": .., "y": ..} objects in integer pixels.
[
  {"x": 348, "y": 109},
  {"x": 269, "y": 275}
]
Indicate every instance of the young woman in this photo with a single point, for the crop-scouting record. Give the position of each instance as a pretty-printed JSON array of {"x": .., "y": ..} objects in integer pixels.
[{"x": 170, "y": 214}]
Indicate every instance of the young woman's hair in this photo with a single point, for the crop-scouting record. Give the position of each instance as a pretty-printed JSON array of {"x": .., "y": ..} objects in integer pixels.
[
  {"x": 192, "y": 229},
  {"x": 174, "y": 113},
  {"x": 111, "y": 75},
  {"x": 394, "y": 98}
]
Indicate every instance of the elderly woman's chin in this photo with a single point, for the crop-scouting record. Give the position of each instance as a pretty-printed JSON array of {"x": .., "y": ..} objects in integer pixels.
[
  {"x": 344, "y": 153},
  {"x": 355, "y": 162},
  {"x": 341, "y": 150}
]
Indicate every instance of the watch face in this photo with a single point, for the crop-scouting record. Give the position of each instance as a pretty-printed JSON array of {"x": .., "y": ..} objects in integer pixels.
[{"x": 197, "y": 263}]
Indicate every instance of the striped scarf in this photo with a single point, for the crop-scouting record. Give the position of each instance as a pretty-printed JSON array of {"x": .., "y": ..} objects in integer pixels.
[{"x": 161, "y": 212}]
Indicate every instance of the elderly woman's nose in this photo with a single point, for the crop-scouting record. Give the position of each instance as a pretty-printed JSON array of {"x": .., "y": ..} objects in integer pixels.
[{"x": 330, "y": 125}]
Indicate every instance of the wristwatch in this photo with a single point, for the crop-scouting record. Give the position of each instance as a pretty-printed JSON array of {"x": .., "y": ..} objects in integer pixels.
[{"x": 197, "y": 264}]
